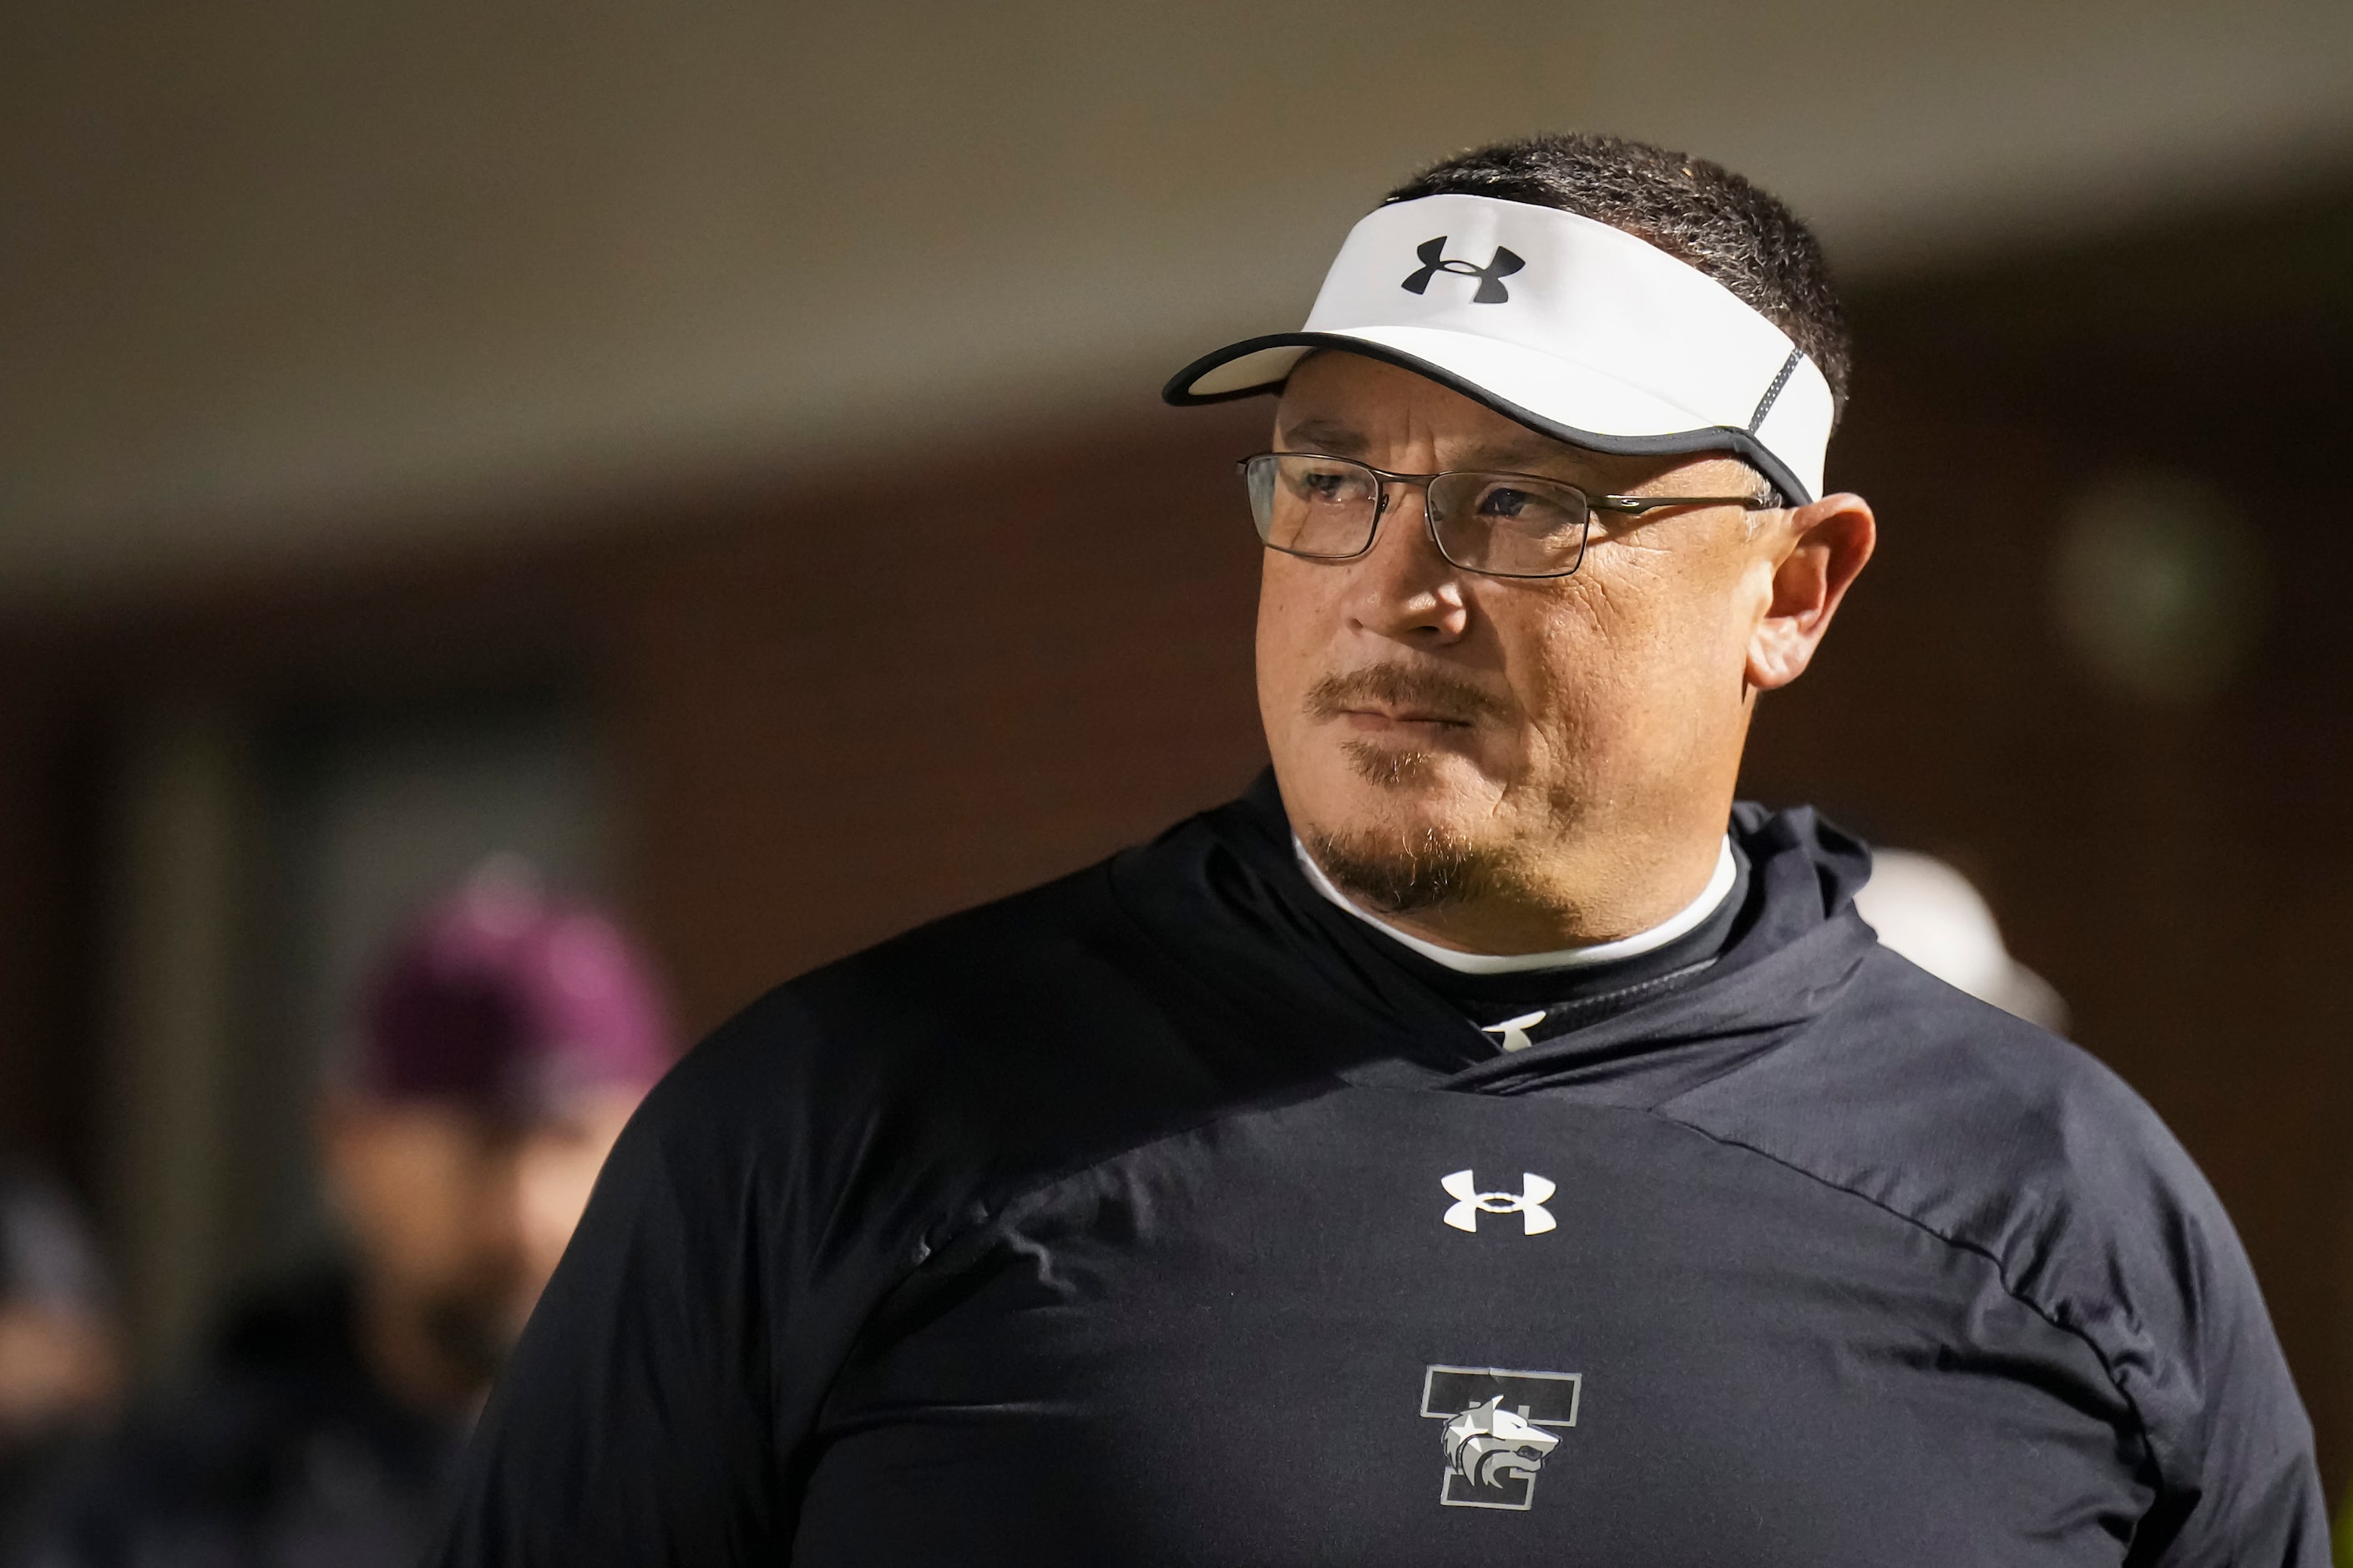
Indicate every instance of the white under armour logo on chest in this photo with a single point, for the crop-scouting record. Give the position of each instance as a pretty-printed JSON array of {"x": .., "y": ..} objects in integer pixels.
[
  {"x": 1512, "y": 1034},
  {"x": 1528, "y": 1203}
]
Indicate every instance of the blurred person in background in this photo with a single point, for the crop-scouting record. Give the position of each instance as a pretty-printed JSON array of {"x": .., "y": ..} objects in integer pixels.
[
  {"x": 1926, "y": 911},
  {"x": 1484, "y": 1141},
  {"x": 501, "y": 1048},
  {"x": 60, "y": 1363}
]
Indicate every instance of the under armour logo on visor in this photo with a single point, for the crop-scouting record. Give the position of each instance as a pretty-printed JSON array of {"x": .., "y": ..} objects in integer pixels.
[
  {"x": 1490, "y": 276},
  {"x": 1470, "y": 1202}
]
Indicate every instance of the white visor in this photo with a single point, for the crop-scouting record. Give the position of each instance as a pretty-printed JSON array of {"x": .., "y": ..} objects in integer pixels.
[{"x": 1568, "y": 326}]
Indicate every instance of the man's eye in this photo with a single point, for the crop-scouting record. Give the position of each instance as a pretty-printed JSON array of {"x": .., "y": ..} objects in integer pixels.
[
  {"x": 1501, "y": 500},
  {"x": 1326, "y": 487},
  {"x": 1529, "y": 511}
]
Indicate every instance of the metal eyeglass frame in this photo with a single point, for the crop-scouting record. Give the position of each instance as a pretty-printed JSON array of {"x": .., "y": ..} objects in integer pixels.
[{"x": 1625, "y": 506}]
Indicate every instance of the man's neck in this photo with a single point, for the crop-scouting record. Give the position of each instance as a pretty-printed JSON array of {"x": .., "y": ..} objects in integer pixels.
[
  {"x": 1433, "y": 943},
  {"x": 399, "y": 1349}
]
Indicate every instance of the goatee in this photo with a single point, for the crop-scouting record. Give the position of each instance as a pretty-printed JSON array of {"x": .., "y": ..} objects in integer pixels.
[{"x": 1409, "y": 870}]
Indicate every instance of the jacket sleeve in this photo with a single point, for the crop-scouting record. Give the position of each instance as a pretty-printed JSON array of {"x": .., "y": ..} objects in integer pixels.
[
  {"x": 1995, "y": 1134},
  {"x": 2228, "y": 1440},
  {"x": 660, "y": 1406}
]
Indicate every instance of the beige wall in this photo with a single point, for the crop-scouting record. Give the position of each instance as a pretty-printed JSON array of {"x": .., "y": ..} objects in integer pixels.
[{"x": 283, "y": 278}]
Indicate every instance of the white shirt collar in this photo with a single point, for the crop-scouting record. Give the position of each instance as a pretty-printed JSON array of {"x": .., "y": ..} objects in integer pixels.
[{"x": 1688, "y": 918}]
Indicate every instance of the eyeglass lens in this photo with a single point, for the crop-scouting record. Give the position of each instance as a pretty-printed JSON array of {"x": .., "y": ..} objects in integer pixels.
[{"x": 1510, "y": 525}]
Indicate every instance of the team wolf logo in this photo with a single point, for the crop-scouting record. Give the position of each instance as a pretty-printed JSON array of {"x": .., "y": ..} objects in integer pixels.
[
  {"x": 1490, "y": 276},
  {"x": 1500, "y": 1427},
  {"x": 1491, "y": 1446}
]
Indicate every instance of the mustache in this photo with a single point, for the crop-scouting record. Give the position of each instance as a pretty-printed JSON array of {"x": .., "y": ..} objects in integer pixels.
[{"x": 1400, "y": 686}]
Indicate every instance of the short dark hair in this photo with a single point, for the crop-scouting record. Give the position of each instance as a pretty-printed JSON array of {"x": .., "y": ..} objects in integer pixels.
[{"x": 1700, "y": 213}]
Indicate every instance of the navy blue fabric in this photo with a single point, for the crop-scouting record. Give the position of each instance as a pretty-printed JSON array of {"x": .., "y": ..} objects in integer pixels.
[{"x": 1124, "y": 1222}]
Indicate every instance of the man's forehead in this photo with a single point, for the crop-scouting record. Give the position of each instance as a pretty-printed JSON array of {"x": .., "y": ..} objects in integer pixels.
[
  {"x": 1344, "y": 439},
  {"x": 1350, "y": 406}
]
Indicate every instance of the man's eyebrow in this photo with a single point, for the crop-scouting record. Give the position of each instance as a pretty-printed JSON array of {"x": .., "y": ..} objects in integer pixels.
[
  {"x": 1530, "y": 456},
  {"x": 1325, "y": 436},
  {"x": 1534, "y": 454}
]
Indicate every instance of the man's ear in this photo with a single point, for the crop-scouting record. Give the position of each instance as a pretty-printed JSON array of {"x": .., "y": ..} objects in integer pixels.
[{"x": 1818, "y": 550}]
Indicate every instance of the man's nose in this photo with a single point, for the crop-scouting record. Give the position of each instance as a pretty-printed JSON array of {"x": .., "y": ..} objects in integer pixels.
[{"x": 1402, "y": 588}]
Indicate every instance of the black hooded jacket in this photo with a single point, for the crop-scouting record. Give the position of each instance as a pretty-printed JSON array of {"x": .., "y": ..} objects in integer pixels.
[{"x": 1166, "y": 1215}]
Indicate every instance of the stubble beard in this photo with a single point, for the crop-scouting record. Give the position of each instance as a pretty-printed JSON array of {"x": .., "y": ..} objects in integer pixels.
[
  {"x": 1390, "y": 767},
  {"x": 1406, "y": 870}
]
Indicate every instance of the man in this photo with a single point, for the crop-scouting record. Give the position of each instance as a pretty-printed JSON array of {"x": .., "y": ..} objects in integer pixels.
[
  {"x": 502, "y": 1049},
  {"x": 1462, "y": 1149},
  {"x": 60, "y": 1367}
]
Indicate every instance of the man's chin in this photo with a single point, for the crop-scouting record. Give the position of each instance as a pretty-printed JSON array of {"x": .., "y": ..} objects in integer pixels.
[
  {"x": 1404, "y": 772},
  {"x": 1401, "y": 851},
  {"x": 1400, "y": 794},
  {"x": 472, "y": 1331}
]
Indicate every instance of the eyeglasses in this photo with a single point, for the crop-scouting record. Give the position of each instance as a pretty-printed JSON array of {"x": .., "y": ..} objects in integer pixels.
[{"x": 1501, "y": 525}]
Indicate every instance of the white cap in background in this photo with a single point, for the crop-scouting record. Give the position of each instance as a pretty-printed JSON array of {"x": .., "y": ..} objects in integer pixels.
[{"x": 1931, "y": 914}]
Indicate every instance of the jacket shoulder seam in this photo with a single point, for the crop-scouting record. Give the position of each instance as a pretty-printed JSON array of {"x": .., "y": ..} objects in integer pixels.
[{"x": 1962, "y": 1244}]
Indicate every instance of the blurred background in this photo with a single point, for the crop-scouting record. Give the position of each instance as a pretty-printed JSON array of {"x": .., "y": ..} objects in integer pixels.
[{"x": 658, "y": 443}]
